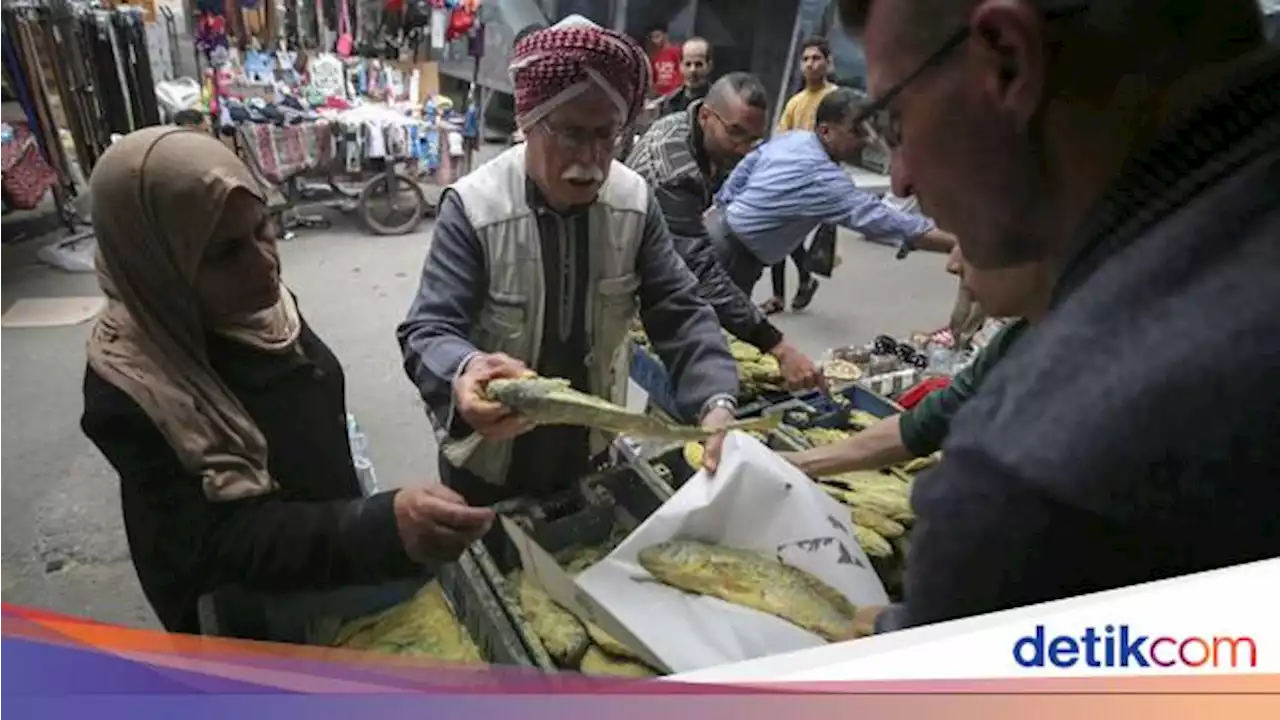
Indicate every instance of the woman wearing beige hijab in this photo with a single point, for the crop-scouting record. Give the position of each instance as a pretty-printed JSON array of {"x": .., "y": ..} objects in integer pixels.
[{"x": 222, "y": 412}]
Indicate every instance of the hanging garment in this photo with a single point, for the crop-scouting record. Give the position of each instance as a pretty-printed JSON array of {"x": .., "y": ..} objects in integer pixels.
[
  {"x": 142, "y": 68},
  {"x": 93, "y": 97},
  {"x": 60, "y": 83},
  {"x": 50, "y": 141},
  {"x": 18, "y": 78},
  {"x": 108, "y": 84}
]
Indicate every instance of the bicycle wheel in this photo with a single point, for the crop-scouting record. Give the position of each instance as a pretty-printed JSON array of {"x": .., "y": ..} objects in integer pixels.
[{"x": 391, "y": 204}]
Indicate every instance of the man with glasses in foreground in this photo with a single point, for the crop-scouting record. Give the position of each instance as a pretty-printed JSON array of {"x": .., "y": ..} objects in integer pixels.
[
  {"x": 1134, "y": 147},
  {"x": 539, "y": 260},
  {"x": 684, "y": 157},
  {"x": 792, "y": 184}
]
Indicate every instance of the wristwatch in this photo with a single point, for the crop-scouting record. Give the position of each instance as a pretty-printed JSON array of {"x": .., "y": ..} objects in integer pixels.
[{"x": 721, "y": 402}]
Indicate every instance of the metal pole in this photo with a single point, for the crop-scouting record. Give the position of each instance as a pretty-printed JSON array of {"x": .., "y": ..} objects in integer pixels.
[
  {"x": 620, "y": 15},
  {"x": 786, "y": 73}
]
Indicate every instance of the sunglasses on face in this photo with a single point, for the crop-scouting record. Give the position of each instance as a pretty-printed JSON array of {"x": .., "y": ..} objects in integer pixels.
[{"x": 885, "y": 121}]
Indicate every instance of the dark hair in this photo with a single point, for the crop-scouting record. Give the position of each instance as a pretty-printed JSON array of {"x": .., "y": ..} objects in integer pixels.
[
  {"x": 526, "y": 31},
  {"x": 815, "y": 41},
  {"x": 838, "y": 106},
  {"x": 656, "y": 27},
  {"x": 742, "y": 85},
  {"x": 705, "y": 43}
]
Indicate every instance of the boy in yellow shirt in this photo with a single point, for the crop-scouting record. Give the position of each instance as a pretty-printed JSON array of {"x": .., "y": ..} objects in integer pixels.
[{"x": 798, "y": 114}]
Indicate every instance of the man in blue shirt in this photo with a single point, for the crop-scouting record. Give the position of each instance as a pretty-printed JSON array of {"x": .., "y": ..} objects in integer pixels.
[{"x": 792, "y": 184}]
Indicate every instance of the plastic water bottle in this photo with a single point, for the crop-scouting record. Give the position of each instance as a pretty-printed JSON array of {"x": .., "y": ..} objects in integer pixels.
[{"x": 359, "y": 456}]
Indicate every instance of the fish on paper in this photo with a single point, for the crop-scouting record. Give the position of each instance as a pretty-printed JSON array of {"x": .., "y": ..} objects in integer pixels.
[{"x": 754, "y": 580}]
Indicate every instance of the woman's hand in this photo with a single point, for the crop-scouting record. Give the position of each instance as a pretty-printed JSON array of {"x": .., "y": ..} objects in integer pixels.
[{"x": 436, "y": 525}]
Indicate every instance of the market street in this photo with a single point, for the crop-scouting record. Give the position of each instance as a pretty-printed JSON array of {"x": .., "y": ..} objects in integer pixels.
[{"x": 64, "y": 545}]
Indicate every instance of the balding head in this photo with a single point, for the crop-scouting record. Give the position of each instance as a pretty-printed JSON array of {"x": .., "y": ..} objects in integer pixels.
[{"x": 695, "y": 62}]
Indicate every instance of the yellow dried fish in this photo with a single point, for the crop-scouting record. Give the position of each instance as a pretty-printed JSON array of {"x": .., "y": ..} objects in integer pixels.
[
  {"x": 882, "y": 525},
  {"x": 597, "y": 662},
  {"x": 551, "y": 401},
  {"x": 892, "y": 504},
  {"x": 920, "y": 463},
  {"x": 693, "y": 453},
  {"x": 754, "y": 580},
  {"x": 611, "y": 644},
  {"x": 872, "y": 543},
  {"x": 861, "y": 419},
  {"x": 423, "y": 625},
  {"x": 561, "y": 633}
]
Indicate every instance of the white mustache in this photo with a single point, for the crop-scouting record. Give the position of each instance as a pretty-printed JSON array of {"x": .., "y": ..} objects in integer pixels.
[{"x": 583, "y": 172}]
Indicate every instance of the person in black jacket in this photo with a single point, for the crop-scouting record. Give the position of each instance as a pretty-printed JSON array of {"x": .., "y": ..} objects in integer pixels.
[{"x": 222, "y": 412}]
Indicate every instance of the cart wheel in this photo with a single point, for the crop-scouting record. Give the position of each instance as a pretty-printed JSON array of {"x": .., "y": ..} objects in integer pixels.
[
  {"x": 342, "y": 187},
  {"x": 388, "y": 211}
]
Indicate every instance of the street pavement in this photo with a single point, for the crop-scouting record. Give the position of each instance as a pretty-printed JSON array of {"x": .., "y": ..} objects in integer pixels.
[{"x": 63, "y": 543}]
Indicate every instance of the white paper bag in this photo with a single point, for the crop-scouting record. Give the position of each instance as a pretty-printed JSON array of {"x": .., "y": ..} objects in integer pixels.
[{"x": 756, "y": 501}]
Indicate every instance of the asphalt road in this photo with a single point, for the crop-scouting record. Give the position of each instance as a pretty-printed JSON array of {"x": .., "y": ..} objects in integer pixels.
[{"x": 63, "y": 544}]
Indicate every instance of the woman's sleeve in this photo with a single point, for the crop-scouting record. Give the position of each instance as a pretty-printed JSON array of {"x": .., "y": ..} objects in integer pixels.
[{"x": 275, "y": 542}]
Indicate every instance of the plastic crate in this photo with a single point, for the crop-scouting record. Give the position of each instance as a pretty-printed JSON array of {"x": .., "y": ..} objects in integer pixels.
[
  {"x": 580, "y": 516},
  {"x": 483, "y": 615},
  {"x": 815, "y": 409}
]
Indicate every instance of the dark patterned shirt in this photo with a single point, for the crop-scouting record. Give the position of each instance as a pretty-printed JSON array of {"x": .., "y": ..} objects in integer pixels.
[{"x": 672, "y": 158}]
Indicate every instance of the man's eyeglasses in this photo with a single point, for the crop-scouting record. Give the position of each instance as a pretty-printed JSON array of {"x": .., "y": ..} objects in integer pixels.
[
  {"x": 737, "y": 133},
  {"x": 576, "y": 139},
  {"x": 886, "y": 123}
]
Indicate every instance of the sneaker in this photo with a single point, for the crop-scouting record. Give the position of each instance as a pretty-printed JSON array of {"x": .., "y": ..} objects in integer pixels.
[{"x": 804, "y": 295}]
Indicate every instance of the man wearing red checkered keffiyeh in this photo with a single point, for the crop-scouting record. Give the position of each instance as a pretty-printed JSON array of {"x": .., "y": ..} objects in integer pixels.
[
  {"x": 555, "y": 65},
  {"x": 540, "y": 260}
]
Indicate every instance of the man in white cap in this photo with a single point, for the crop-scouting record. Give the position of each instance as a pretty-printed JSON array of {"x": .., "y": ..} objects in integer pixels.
[{"x": 540, "y": 259}]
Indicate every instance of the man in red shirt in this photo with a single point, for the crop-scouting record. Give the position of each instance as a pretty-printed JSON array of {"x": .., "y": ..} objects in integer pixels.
[{"x": 664, "y": 59}]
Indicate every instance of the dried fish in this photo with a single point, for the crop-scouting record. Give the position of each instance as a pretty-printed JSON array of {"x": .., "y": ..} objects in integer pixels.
[{"x": 551, "y": 401}]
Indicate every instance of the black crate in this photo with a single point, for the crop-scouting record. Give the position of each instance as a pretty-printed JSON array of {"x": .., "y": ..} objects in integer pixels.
[
  {"x": 482, "y": 614},
  {"x": 580, "y": 516}
]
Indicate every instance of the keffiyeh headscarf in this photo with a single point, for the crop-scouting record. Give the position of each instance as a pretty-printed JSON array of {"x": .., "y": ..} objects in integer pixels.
[{"x": 555, "y": 65}]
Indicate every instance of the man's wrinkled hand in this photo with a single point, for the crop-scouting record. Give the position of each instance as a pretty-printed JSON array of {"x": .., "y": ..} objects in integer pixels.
[
  {"x": 435, "y": 524},
  {"x": 717, "y": 419},
  {"x": 798, "y": 371},
  {"x": 491, "y": 420}
]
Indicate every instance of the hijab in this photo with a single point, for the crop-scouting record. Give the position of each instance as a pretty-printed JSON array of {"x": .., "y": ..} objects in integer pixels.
[{"x": 158, "y": 194}]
